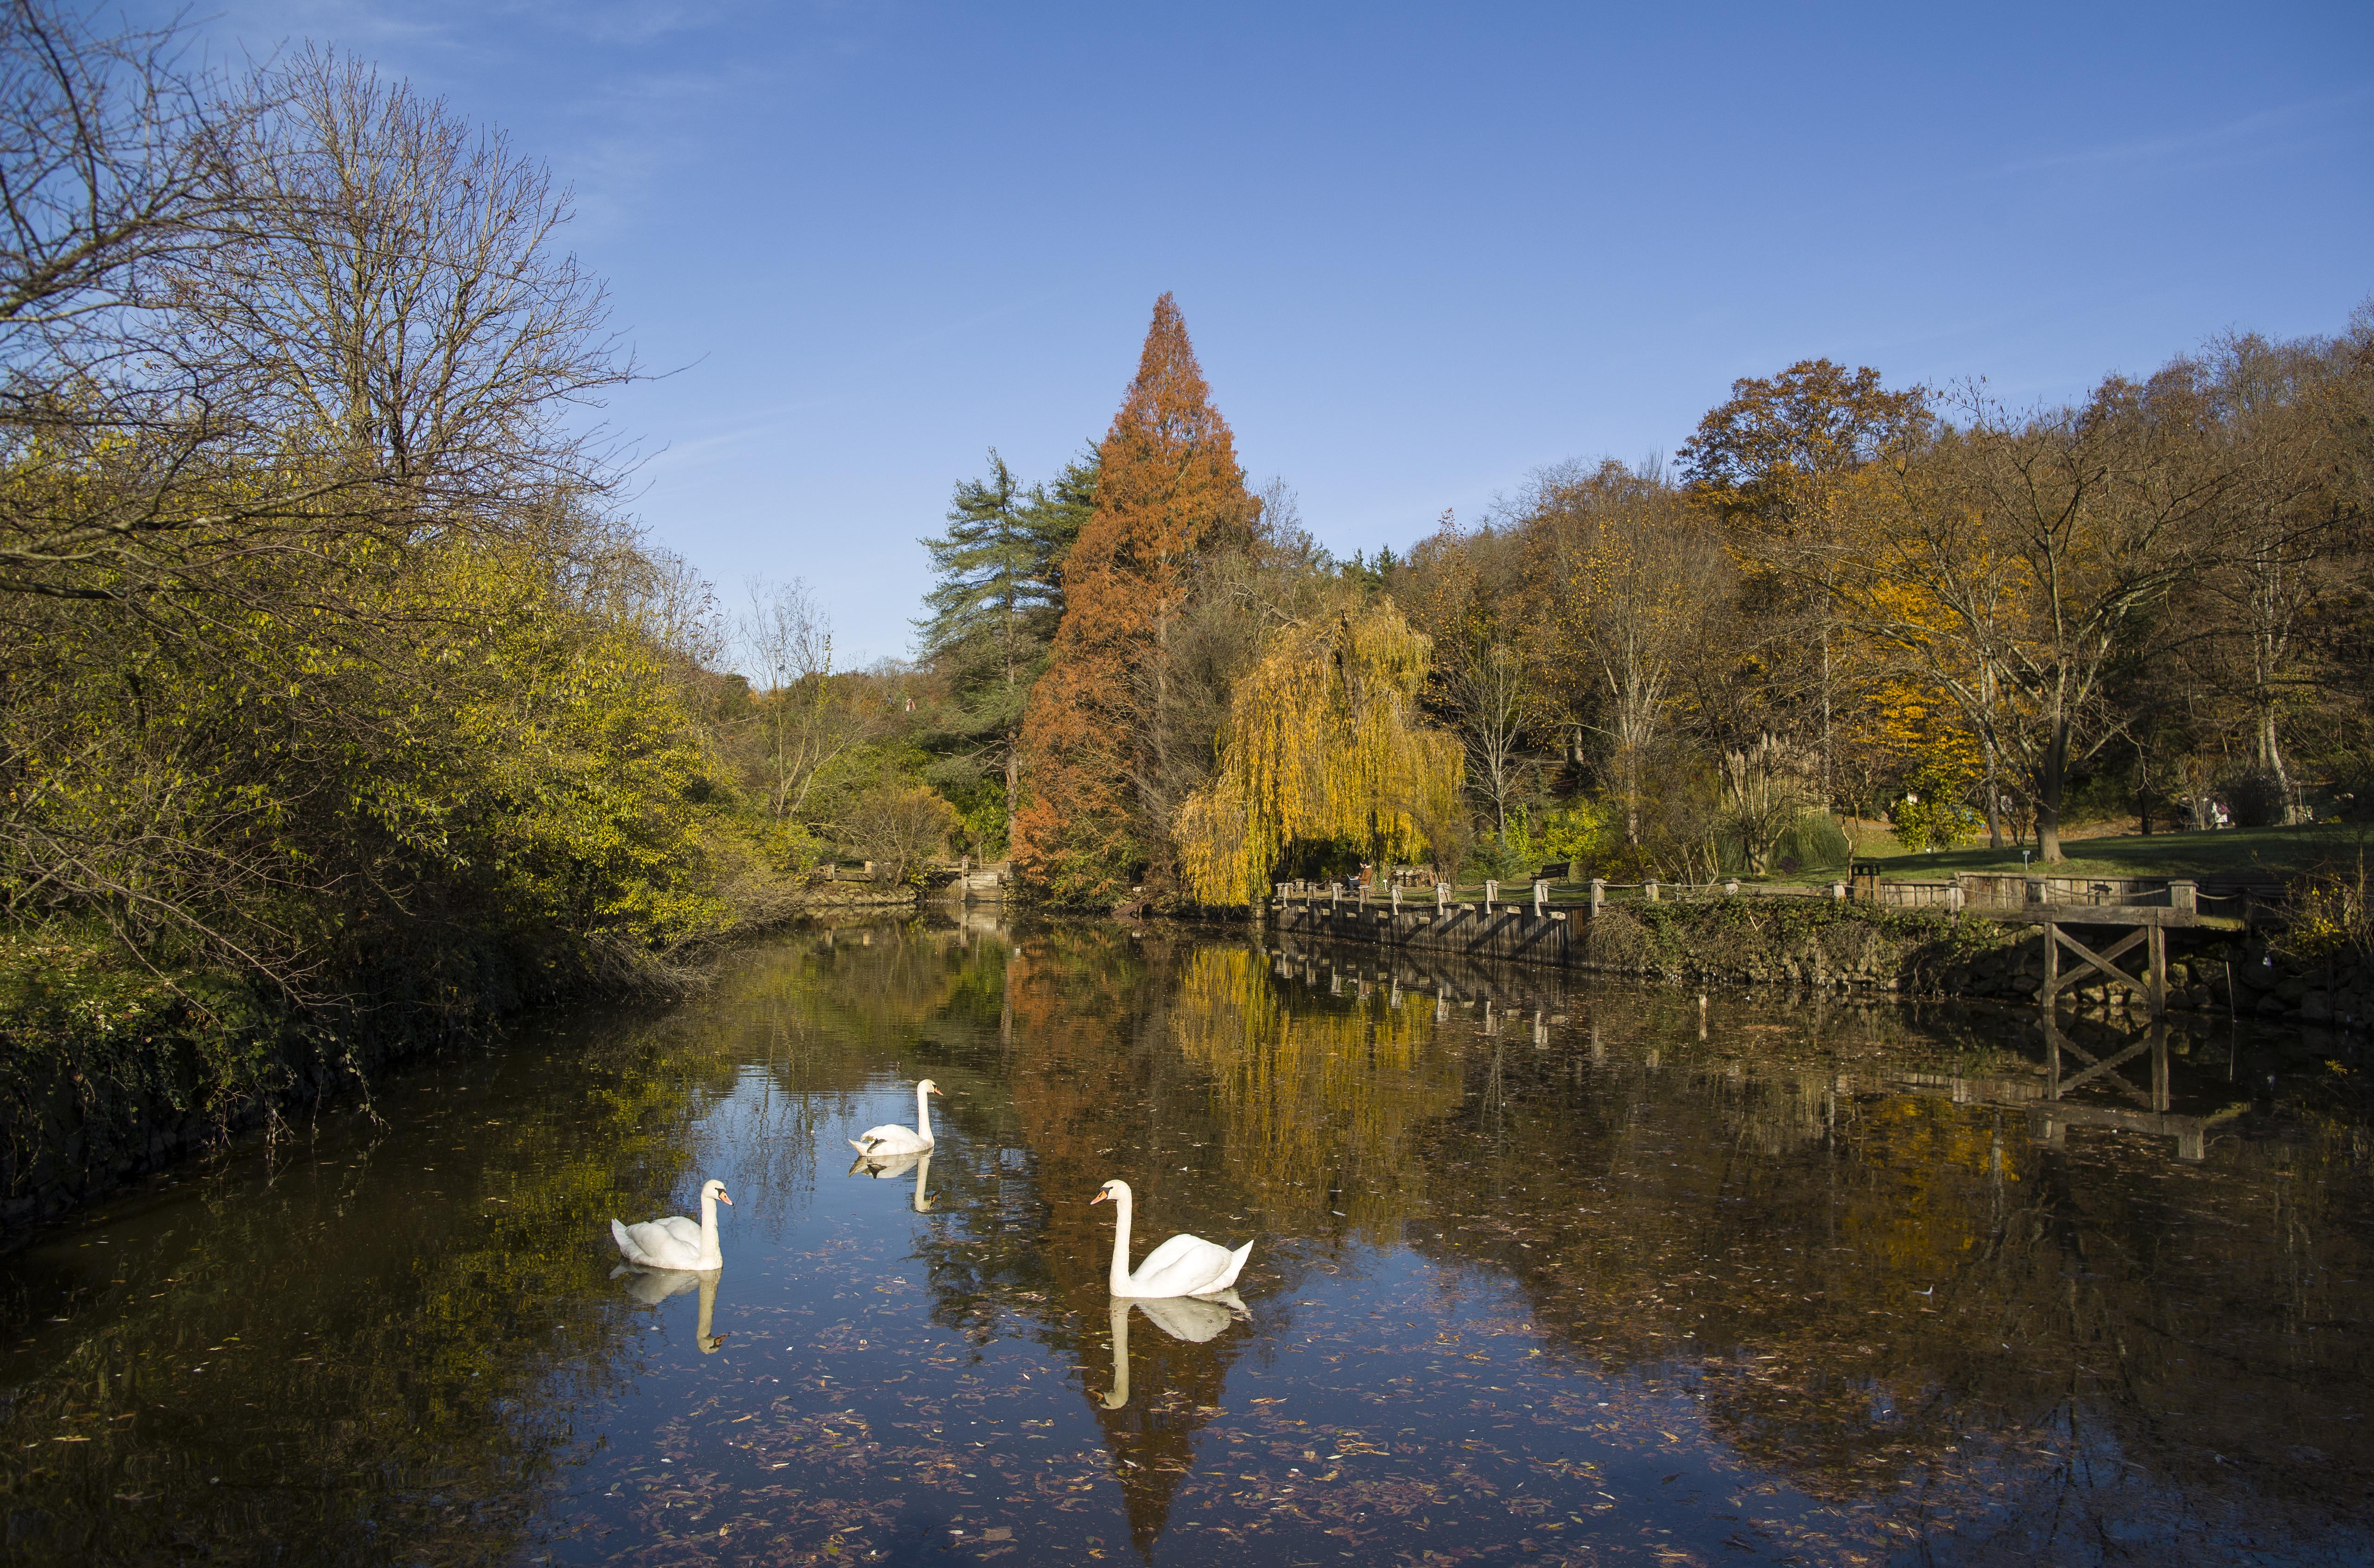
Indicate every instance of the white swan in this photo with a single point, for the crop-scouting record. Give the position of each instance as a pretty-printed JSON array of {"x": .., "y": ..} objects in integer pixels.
[
  {"x": 1183, "y": 1266},
  {"x": 675, "y": 1242},
  {"x": 892, "y": 1138}
]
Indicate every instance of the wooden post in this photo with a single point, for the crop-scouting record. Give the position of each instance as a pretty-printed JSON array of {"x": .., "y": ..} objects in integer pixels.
[
  {"x": 2185, "y": 896},
  {"x": 2052, "y": 964},
  {"x": 1838, "y": 892},
  {"x": 1541, "y": 896},
  {"x": 1648, "y": 891},
  {"x": 1491, "y": 892},
  {"x": 1441, "y": 897},
  {"x": 1397, "y": 898},
  {"x": 2155, "y": 976},
  {"x": 1730, "y": 889},
  {"x": 1598, "y": 895}
]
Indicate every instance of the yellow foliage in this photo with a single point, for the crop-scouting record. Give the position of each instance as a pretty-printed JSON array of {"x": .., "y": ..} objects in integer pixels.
[{"x": 1322, "y": 741}]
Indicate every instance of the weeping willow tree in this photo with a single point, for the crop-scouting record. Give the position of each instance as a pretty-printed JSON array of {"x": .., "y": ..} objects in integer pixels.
[{"x": 1322, "y": 742}]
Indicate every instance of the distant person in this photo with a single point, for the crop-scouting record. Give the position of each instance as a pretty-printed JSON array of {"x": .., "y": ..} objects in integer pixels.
[{"x": 2219, "y": 816}]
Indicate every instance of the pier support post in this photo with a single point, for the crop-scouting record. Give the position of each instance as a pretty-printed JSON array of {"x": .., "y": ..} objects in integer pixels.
[
  {"x": 1541, "y": 896},
  {"x": 2052, "y": 964},
  {"x": 1491, "y": 892},
  {"x": 1598, "y": 895},
  {"x": 2156, "y": 972}
]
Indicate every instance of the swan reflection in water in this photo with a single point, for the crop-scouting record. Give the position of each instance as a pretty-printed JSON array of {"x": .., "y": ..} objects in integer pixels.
[
  {"x": 1192, "y": 1318},
  {"x": 885, "y": 1167},
  {"x": 652, "y": 1285}
]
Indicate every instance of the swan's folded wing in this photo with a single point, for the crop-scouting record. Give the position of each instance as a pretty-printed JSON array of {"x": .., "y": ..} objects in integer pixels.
[
  {"x": 1228, "y": 1274},
  {"x": 683, "y": 1230},
  {"x": 1183, "y": 1266},
  {"x": 890, "y": 1138}
]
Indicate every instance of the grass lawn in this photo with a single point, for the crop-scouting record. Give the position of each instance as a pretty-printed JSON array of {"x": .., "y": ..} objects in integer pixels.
[{"x": 2235, "y": 855}]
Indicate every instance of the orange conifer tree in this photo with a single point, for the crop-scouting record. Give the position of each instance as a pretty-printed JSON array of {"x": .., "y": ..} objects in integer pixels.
[{"x": 1168, "y": 487}]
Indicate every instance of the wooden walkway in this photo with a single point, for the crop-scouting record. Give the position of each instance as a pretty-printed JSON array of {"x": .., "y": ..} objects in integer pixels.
[{"x": 1531, "y": 931}]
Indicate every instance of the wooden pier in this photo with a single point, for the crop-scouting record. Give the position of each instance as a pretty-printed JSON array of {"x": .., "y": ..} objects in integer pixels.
[{"x": 1530, "y": 930}]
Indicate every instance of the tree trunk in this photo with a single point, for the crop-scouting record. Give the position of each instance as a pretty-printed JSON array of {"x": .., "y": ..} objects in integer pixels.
[
  {"x": 1013, "y": 784},
  {"x": 2051, "y": 775}
]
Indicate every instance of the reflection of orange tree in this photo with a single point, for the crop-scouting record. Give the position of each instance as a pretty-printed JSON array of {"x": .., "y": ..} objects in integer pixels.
[
  {"x": 1098, "y": 1087},
  {"x": 1313, "y": 1097},
  {"x": 2072, "y": 1291}
]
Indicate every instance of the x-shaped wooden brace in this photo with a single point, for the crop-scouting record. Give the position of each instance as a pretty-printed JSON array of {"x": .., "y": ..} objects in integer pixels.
[{"x": 2102, "y": 961}]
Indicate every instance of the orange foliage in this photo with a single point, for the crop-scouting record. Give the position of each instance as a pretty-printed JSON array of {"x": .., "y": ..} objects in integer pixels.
[{"x": 1167, "y": 487}]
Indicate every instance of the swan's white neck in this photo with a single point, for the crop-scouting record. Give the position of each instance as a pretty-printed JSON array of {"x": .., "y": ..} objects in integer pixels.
[
  {"x": 1120, "y": 1285},
  {"x": 923, "y": 1114},
  {"x": 709, "y": 1248}
]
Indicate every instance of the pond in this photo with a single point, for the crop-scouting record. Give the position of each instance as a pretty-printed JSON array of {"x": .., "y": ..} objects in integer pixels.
[{"x": 1543, "y": 1270}]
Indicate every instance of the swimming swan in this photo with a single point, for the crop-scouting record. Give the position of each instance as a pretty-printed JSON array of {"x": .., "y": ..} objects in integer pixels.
[
  {"x": 675, "y": 1242},
  {"x": 892, "y": 1138},
  {"x": 1183, "y": 1266}
]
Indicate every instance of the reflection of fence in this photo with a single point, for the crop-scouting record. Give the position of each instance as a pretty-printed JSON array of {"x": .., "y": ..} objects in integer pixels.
[{"x": 1507, "y": 1003}]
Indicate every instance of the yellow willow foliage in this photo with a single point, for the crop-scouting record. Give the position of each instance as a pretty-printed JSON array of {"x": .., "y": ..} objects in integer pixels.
[
  {"x": 1316, "y": 1096},
  {"x": 1322, "y": 742}
]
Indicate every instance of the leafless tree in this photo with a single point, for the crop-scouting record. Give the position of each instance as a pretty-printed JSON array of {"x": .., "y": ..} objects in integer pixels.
[{"x": 807, "y": 721}]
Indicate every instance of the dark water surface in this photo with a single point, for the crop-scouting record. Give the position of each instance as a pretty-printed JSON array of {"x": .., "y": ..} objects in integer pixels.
[{"x": 1543, "y": 1271}]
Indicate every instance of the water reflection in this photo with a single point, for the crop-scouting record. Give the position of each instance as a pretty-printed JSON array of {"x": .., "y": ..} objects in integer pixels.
[
  {"x": 1543, "y": 1268},
  {"x": 891, "y": 1167},
  {"x": 652, "y": 1285},
  {"x": 1194, "y": 1319}
]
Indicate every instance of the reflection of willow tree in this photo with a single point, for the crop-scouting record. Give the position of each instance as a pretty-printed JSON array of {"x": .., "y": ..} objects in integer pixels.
[
  {"x": 1736, "y": 1218},
  {"x": 388, "y": 1366},
  {"x": 1316, "y": 1104}
]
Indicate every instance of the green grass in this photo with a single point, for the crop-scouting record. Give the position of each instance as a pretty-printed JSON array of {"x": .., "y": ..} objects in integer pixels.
[{"x": 2235, "y": 855}]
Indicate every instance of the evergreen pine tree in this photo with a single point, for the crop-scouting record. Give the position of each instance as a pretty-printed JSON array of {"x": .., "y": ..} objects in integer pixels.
[{"x": 996, "y": 603}]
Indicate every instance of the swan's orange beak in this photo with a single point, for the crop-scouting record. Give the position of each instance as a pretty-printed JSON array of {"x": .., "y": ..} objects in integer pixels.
[
  {"x": 1098, "y": 1199},
  {"x": 725, "y": 1200},
  {"x": 938, "y": 1091}
]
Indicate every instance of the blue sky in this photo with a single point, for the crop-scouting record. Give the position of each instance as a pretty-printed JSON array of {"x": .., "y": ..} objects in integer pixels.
[{"x": 1422, "y": 251}]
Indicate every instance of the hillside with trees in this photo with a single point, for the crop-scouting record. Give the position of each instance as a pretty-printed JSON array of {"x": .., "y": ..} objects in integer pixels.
[{"x": 348, "y": 705}]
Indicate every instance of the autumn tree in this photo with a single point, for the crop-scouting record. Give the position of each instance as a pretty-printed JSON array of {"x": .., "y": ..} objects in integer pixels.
[
  {"x": 1463, "y": 594},
  {"x": 1769, "y": 462},
  {"x": 1168, "y": 490},
  {"x": 2018, "y": 560},
  {"x": 1324, "y": 742},
  {"x": 1630, "y": 585}
]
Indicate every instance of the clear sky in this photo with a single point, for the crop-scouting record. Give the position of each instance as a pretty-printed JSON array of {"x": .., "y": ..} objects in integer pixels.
[{"x": 1422, "y": 251}]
